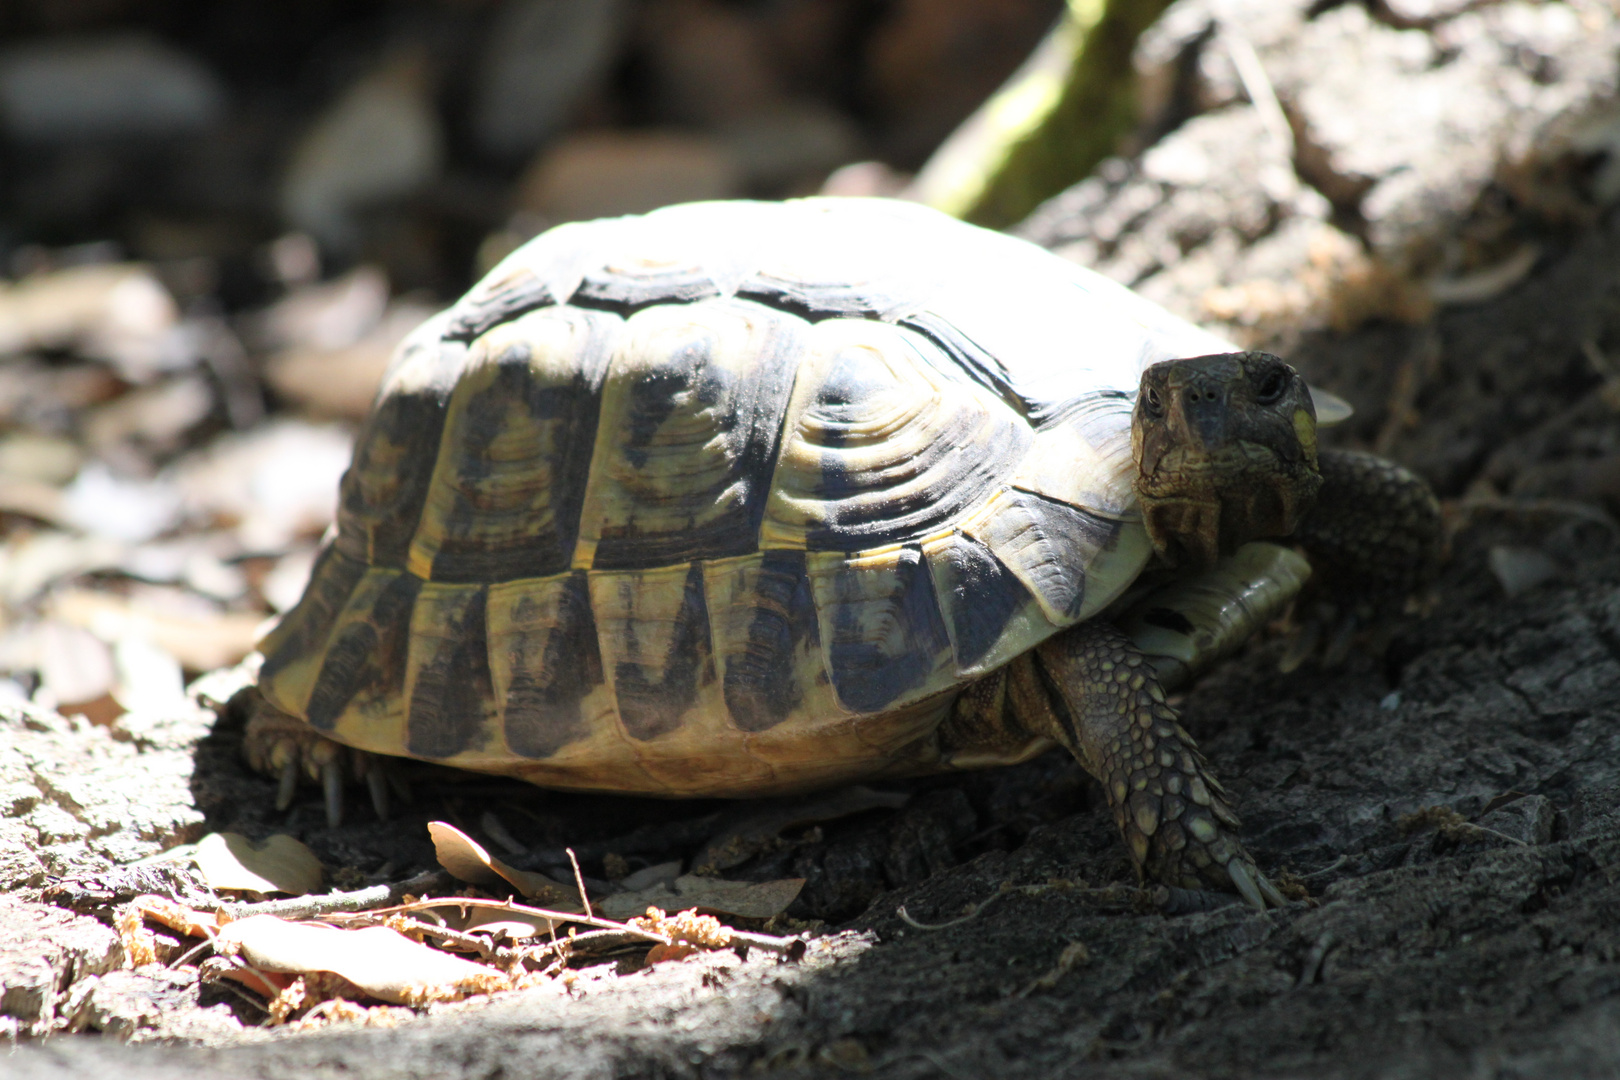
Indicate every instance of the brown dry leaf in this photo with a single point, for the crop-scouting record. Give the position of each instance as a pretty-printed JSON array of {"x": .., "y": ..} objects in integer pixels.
[
  {"x": 274, "y": 484},
  {"x": 659, "y": 953},
  {"x": 29, "y": 564},
  {"x": 382, "y": 962},
  {"x": 32, "y": 498},
  {"x": 467, "y": 861},
  {"x": 113, "y": 312},
  {"x": 44, "y": 459},
  {"x": 277, "y": 864},
  {"x": 516, "y": 925},
  {"x": 75, "y": 666},
  {"x": 343, "y": 381},
  {"x": 187, "y": 921},
  {"x": 140, "y": 944},
  {"x": 329, "y": 315},
  {"x": 201, "y": 639},
  {"x": 746, "y": 899}
]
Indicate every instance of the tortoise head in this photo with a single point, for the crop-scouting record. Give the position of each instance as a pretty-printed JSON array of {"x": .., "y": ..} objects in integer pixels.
[{"x": 1225, "y": 451}]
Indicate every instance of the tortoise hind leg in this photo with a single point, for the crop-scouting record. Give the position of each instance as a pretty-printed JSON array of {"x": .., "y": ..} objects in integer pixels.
[
  {"x": 288, "y": 749},
  {"x": 1095, "y": 693}
]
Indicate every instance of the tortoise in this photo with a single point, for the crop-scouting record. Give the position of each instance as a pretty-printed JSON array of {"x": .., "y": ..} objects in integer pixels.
[{"x": 747, "y": 498}]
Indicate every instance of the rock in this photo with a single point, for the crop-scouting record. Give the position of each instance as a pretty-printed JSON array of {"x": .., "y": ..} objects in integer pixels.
[
  {"x": 116, "y": 88},
  {"x": 126, "y": 1005},
  {"x": 540, "y": 58},
  {"x": 378, "y": 142},
  {"x": 83, "y": 797},
  {"x": 1349, "y": 216},
  {"x": 1529, "y": 820},
  {"x": 602, "y": 174},
  {"x": 44, "y": 951}
]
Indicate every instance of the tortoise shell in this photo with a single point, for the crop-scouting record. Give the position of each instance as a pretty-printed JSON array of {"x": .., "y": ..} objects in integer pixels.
[{"x": 726, "y": 499}]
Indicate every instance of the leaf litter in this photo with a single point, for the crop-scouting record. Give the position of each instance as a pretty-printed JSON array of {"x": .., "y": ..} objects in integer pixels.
[{"x": 321, "y": 959}]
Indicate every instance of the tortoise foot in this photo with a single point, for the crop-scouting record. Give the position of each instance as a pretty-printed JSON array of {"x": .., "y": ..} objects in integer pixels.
[
  {"x": 288, "y": 749},
  {"x": 1177, "y": 822},
  {"x": 1110, "y": 710}
]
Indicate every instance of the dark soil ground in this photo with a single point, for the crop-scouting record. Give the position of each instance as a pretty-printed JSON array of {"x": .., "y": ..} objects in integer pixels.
[{"x": 1447, "y": 797}]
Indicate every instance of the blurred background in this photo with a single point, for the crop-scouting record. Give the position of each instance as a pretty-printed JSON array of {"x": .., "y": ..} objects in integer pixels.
[{"x": 218, "y": 218}]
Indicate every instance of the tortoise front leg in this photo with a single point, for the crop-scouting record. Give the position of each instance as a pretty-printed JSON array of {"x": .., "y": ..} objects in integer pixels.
[
  {"x": 1094, "y": 692},
  {"x": 1374, "y": 534}
]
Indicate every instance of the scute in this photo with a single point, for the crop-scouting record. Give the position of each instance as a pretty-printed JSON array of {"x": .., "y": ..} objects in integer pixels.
[
  {"x": 690, "y": 417},
  {"x": 515, "y": 456},
  {"x": 881, "y": 446},
  {"x": 544, "y": 661},
  {"x": 726, "y": 499}
]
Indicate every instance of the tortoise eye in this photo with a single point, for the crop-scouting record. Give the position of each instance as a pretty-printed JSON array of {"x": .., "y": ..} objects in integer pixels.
[
  {"x": 1272, "y": 386},
  {"x": 1151, "y": 403}
]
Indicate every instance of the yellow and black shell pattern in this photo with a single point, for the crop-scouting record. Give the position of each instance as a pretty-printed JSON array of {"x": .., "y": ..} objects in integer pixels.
[{"x": 725, "y": 499}]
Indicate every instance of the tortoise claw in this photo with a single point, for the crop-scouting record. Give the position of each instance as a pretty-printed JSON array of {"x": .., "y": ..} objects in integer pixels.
[
  {"x": 377, "y": 784},
  {"x": 332, "y": 786},
  {"x": 1244, "y": 882},
  {"x": 287, "y": 782}
]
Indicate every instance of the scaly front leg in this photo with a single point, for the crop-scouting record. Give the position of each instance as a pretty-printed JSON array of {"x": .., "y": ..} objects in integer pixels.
[{"x": 1094, "y": 692}]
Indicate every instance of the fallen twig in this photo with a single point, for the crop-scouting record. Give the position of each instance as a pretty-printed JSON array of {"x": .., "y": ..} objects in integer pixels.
[
  {"x": 748, "y": 938},
  {"x": 317, "y": 906},
  {"x": 1110, "y": 892},
  {"x": 579, "y": 881}
]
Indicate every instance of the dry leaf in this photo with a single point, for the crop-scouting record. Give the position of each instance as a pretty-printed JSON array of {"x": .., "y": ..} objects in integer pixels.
[
  {"x": 514, "y": 924},
  {"x": 113, "y": 312},
  {"x": 380, "y": 961},
  {"x": 75, "y": 665},
  {"x": 649, "y": 876},
  {"x": 276, "y": 483},
  {"x": 342, "y": 381},
  {"x": 467, "y": 861},
  {"x": 198, "y": 635},
  {"x": 175, "y": 916},
  {"x": 680, "y": 951},
  {"x": 746, "y": 899},
  {"x": 276, "y": 864}
]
